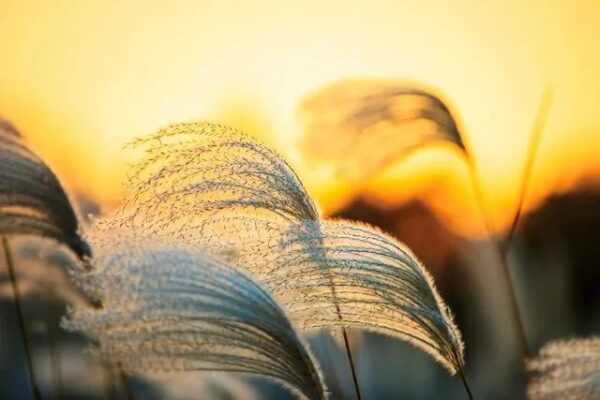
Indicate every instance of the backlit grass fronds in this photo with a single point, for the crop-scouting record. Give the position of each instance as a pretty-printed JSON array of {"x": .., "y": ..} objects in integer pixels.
[
  {"x": 379, "y": 286},
  {"x": 192, "y": 172},
  {"x": 566, "y": 370},
  {"x": 340, "y": 274},
  {"x": 166, "y": 309},
  {"x": 32, "y": 201},
  {"x": 238, "y": 237},
  {"x": 327, "y": 274},
  {"x": 42, "y": 268},
  {"x": 213, "y": 187},
  {"x": 361, "y": 125}
]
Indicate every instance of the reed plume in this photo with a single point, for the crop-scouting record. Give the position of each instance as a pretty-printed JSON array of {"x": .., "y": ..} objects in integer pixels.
[
  {"x": 366, "y": 113},
  {"x": 32, "y": 203},
  {"x": 44, "y": 269},
  {"x": 566, "y": 370},
  {"x": 166, "y": 308},
  {"x": 216, "y": 168},
  {"x": 382, "y": 121},
  {"x": 380, "y": 286},
  {"x": 32, "y": 200},
  {"x": 213, "y": 187}
]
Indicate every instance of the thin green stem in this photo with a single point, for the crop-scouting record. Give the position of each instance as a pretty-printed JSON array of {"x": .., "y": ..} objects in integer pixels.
[{"x": 20, "y": 316}]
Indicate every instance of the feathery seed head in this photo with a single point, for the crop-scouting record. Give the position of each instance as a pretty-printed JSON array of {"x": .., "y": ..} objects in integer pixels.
[
  {"x": 376, "y": 121},
  {"x": 32, "y": 200},
  {"x": 566, "y": 370},
  {"x": 166, "y": 308},
  {"x": 240, "y": 207}
]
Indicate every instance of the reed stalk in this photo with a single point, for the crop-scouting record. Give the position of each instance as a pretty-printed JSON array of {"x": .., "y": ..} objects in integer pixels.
[
  {"x": 503, "y": 246},
  {"x": 20, "y": 316}
]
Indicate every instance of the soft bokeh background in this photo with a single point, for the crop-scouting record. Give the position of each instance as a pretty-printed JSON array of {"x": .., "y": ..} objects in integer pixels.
[{"x": 81, "y": 79}]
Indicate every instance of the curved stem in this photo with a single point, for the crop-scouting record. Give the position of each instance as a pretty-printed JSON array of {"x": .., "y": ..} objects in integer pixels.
[
  {"x": 20, "y": 316},
  {"x": 351, "y": 361},
  {"x": 466, "y": 384},
  {"x": 318, "y": 246},
  {"x": 515, "y": 312},
  {"x": 53, "y": 338},
  {"x": 538, "y": 127},
  {"x": 502, "y": 249}
]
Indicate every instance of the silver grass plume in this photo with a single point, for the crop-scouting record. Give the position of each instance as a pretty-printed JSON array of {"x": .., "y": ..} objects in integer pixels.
[
  {"x": 32, "y": 200},
  {"x": 43, "y": 268},
  {"x": 212, "y": 168},
  {"x": 276, "y": 235},
  {"x": 566, "y": 370},
  {"x": 212, "y": 186},
  {"x": 169, "y": 309},
  {"x": 380, "y": 286},
  {"x": 32, "y": 203},
  {"x": 375, "y": 122},
  {"x": 214, "y": 183}
]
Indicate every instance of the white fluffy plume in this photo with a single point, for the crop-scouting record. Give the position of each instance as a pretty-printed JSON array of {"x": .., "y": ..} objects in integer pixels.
[
  {"x": 166, "y": 308},
  {"x": 566, "y": 370},
  {"x": 32, "y": 200},
  {"x": 212, "y": 187},
  {"x": 375, "y": 123}
]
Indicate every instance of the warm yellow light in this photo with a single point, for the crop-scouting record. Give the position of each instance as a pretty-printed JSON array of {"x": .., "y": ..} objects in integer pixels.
[{"x": 83, "y": 78}]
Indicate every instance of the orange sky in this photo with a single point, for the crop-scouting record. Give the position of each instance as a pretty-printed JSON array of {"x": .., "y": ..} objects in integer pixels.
[{"x": 82, "y": 78}]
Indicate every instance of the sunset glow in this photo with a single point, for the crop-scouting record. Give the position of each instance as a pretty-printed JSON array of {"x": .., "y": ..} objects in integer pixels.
[{"x": 85, "y": 78}]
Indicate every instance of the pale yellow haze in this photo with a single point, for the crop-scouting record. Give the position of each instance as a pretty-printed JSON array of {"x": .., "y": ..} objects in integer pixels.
[{"x": 82, "y": 78}]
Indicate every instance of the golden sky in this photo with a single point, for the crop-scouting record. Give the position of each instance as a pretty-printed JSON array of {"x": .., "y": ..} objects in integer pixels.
[{"x": 81, "y": 78}]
